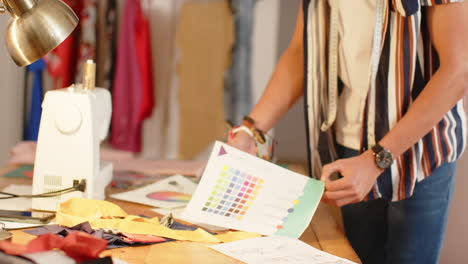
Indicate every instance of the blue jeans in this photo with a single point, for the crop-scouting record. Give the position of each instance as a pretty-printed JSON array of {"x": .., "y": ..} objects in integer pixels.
[{"x": 403, "y": 232}]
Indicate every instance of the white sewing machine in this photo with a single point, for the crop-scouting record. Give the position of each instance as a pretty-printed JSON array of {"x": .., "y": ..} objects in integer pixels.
[{"x": 74, "y": 121}]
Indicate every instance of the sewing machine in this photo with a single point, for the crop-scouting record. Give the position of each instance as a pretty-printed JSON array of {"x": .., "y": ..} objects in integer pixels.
[{"x": 74, "y": 122}]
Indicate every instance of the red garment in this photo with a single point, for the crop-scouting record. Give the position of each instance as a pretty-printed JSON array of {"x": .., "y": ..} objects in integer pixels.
[
  {"x": 77, "y": 245},
  {"x": 143, "y": 43},
  {"x": 132, "y": 94},
  {"x": 61, "y": 62}
]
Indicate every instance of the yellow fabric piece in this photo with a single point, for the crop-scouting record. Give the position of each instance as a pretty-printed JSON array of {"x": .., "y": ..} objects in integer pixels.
[
  {"x": 236, "y": 235},
  {"x": 102, "y": 214},
  {"x": 90, "y": 208}
]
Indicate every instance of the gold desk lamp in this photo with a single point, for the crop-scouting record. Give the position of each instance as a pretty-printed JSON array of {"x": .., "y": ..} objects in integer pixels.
[{"x": 37, "y": 27}]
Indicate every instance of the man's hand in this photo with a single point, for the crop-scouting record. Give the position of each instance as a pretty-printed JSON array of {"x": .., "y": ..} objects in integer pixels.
[{"x": 359, "y": 175}]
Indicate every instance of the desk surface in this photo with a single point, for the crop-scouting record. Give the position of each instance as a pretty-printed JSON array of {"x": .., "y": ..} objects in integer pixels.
[{"x": 324, "y": 232}]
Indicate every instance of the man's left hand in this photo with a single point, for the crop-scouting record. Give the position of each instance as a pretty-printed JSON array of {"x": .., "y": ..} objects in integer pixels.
[{"x": 359, "y": 175}]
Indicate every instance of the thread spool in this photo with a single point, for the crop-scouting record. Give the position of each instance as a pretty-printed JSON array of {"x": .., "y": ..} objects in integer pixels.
[{"x": 89, "y": 75}]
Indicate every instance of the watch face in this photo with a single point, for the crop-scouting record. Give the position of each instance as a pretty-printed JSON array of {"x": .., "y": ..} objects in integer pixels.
[{"x": 384, "y": 159}]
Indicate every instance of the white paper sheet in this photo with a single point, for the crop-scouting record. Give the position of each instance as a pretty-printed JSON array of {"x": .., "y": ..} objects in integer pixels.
[
  {"x": 240, "y": 191},
  {"x": 277, "y": 250},
  {"x": 19, "y": 204},
  {"x": 172, "y": 192},
  {"x": 17, "y": 225}
]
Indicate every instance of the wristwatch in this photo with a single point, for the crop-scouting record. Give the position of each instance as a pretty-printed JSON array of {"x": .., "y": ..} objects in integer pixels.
[{"x": 383, "y": 157}]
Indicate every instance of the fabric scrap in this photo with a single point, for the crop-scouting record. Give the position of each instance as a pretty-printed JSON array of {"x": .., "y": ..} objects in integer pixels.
[
  {"x": 102, "y": 214},
  {"x": 77, "y": 245},
  {"x": 113, "y": 240},
  {"x": 25, "y": 171},
  {"x": 106, "y": 260},
  {"x": 139, "y": 238},
  {"x": 231, "y": 236}
]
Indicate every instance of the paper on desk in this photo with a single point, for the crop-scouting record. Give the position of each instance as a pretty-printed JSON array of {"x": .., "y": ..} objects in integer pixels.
[
  {"x": 103, "y": 214},
  {"x": 19, "y": 204},
  {"x": 277, "y": 250},
  {"x": 242, "y": 192},
  {"x": 172, "y": 192},
  {"x": 16, "y": 225},
  {"x": 224, "y": 237}
]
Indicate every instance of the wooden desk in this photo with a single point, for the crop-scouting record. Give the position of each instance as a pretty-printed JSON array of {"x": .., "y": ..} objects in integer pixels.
[{"x": 324, "y": 232}]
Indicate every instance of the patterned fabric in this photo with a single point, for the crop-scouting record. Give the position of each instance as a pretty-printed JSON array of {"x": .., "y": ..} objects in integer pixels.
[
  {"x": 110, "y": 44},
  {"x": 407, "y": 62},
  {"x": 62, "y": 61},
  {"x": 87, "y": 43}
]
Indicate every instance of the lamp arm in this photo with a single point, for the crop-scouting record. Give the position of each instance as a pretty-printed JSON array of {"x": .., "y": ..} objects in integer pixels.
[{"x": 18, "y": 7}]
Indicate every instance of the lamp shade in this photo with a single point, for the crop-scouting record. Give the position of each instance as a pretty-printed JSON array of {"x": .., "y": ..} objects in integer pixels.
[{"x": 37, "y": 27}]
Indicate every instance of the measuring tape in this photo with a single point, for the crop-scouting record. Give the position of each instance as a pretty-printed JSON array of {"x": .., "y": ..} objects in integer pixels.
[
  {"x": 332, "y": 66},
  {"x": 331, "y": 112}
]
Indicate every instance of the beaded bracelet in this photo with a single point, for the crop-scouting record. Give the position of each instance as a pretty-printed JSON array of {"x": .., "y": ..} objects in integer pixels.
[{"x": 264, "y": 143}]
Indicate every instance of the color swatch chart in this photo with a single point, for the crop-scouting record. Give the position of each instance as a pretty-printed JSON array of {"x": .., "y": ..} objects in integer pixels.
[
  {"x": 240, "y": 191},
  {"x": 233, "y": 193}
]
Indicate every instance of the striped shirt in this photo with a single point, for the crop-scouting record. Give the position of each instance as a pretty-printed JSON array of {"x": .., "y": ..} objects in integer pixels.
[{"x": 406, "y": 61}]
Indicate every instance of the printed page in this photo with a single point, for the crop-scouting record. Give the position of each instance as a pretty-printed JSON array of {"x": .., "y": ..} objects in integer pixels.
[
  {"x": 277, "y": 250},
  {"x": 242, "y": 192},
  {"x": 172, "y": 192}
]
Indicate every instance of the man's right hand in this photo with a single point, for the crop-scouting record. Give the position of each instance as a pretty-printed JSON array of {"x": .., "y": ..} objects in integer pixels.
[{"x": 244, "y": 142}]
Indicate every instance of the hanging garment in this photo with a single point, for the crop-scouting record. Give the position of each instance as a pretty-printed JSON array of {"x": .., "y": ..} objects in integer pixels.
[
  {"x": 128, "y": 94},
  {"x": 34, "y": 118},
  {"x": 61, "y": 62},
  {"x": 143, "y": 43},
  {"x": 205, "y": 37},
  {"x": 239, "y": 93},
  {"x": 87, "y": 40},
  {"x": 109, "y": 45}
]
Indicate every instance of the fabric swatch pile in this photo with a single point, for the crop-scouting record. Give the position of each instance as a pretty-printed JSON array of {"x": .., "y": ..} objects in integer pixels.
[
  {"x": 85, "y": 228},
  {"x": 78, "y": 247}
]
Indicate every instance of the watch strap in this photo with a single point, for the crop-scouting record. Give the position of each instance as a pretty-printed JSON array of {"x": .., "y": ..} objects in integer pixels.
[{"x": 377, "y": 148}]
